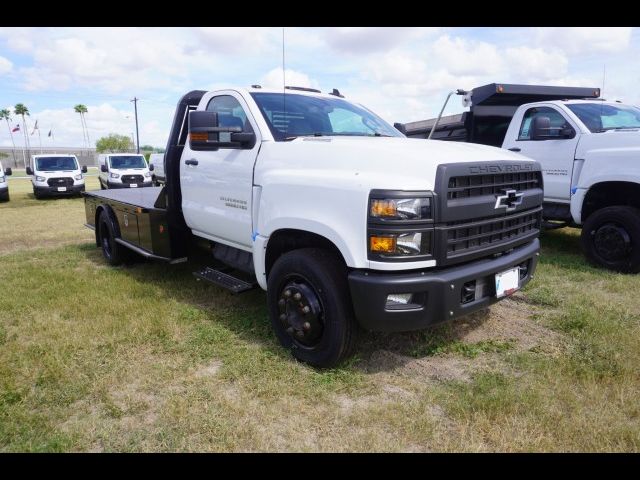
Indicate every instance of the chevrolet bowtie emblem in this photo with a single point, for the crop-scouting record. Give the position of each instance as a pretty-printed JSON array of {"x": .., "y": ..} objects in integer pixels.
[{"x": 509, "y": 200}]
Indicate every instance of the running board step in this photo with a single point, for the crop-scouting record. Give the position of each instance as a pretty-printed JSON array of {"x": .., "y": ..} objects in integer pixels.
[{"x": 224, "y": 280}]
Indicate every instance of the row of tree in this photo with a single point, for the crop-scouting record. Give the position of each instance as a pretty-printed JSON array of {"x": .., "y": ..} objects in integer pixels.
[{"x": 22, "y": 110}]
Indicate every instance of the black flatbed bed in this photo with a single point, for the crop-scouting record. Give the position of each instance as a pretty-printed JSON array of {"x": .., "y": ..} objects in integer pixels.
[{"x": 136, "y": 197}]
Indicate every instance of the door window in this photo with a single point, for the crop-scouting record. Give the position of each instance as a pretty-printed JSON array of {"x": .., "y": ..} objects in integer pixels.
[
  {"x": 230, "y": 112},
  {"x": 557, "y": 120}
]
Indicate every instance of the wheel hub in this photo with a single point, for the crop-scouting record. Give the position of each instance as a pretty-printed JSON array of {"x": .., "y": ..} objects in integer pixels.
[
  {"x": 612, "y": 242},
  {"x": 300, "y": 312}
]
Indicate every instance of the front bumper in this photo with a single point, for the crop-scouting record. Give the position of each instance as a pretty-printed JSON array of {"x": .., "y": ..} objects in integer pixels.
[
  {"x": 439, "y": 292},
  {"x": 73, "y": 190},
  {"x": 128, "y": 185}
]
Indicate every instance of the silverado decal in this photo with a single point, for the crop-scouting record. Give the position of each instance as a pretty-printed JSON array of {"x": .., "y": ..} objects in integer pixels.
[{"x": 234, "y": 203}]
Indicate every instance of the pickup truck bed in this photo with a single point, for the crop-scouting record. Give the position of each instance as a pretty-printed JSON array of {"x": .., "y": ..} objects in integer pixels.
[{"x": 142, "y": 225}]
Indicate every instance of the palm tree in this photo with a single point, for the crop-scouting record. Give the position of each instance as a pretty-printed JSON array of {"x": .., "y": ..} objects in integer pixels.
[
  {"x": 5, "y": 114},
  {"x": 82, "y": 109},
  {"x": 22, "y": 110}
]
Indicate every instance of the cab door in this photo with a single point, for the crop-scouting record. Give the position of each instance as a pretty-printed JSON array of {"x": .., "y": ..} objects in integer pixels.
[
  {"x": 217, "y": 185},
  {"x": 556, "y": 154}
]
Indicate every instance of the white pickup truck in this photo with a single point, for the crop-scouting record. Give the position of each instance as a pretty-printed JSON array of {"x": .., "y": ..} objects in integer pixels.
[
  {"x": 4, "y": 184},
  {"x": 340, "y": 218},
  {"x": 588, "y": 149},
  {"x": 55, "y": 174}
]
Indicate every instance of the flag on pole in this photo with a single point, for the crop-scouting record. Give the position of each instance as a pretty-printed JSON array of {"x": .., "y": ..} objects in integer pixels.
[
  {"x": 16, "y": 129},
  {"x": 35, "y": 127}
]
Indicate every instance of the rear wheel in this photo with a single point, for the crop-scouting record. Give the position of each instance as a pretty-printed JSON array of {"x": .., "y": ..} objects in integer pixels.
[
  {"x": 611, "y": 238},
  {"x": 112, "y": 251},
  {"x": 310, "y": 306}
]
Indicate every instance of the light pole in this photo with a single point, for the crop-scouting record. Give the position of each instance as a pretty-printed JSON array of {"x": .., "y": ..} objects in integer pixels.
[{"x": 135, "y": 107}]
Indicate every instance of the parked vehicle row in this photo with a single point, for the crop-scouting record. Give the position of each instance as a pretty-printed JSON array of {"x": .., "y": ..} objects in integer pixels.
[{"x": 588, "y": 149}]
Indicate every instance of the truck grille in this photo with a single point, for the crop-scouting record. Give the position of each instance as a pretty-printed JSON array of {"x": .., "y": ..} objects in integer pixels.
[
  {"x": 60, "y": 182},
  {"x": 491, "y": 233},
  {"x": 129, "y": 179},
  {"x": 476, "y": 217},
  {"x": 477, "y": 185}
]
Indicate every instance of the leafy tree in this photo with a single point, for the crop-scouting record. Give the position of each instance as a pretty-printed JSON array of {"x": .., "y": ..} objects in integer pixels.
[
  {"x": 82, "y": 109},
  {"x": 5, "y": 114},
  {"x": 114, "y": 143},
  {"x": 22, "y": 110}
]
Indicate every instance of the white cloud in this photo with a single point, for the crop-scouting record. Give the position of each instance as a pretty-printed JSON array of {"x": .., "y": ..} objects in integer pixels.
[
  {"x": 364, "y": 40},
  {"x": 229, "y": 40},
  {"x": 578, "y": 40},
  {"x": 465, "y": 57},
  {"x": 273, "y": 79},
  {"x": 5, "y": 66},
  {"x": 535, "y": 64}
]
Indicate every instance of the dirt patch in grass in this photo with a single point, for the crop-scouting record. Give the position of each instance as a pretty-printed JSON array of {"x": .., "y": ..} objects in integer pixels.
[{"x": 468, "y": 345}]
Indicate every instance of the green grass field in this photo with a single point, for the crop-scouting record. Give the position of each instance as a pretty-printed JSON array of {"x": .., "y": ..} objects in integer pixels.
[{"x": 144, "y": 358}]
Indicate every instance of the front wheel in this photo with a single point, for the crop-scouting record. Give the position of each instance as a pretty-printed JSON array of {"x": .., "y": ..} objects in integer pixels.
[
  {"x": 611, "y": 238},
  {"x": 310, "y": 306}
]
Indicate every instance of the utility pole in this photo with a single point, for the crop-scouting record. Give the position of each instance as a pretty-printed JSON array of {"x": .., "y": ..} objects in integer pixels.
[{"x": 135, "y": 107}]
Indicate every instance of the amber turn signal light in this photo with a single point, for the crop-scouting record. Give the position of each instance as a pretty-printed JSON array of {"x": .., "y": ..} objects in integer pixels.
[{"x": 382, "y": 244}]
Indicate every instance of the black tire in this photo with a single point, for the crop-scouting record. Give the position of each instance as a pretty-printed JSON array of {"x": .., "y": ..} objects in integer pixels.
[
  {"x": 102, "y": 187},
  {"x": 611, "y": 238},
  {"x": 321, "y": 280},
  {"x": 36, "y": 194},
  {"x": 113, "y": 252},
  {"x": 5, "y": 197}
]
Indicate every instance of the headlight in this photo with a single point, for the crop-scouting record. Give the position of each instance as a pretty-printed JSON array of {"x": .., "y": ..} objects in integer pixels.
[
  {"x": 114, "y": 175},
  {"x": 147, "y": 174},
  {"x": 401, "y": 244},
  {"x": 78, "y": 177},
  {"x": 400, "y": 225},
  {"x": 408, "y": 209},
  {"x": 40, "y": 179}
]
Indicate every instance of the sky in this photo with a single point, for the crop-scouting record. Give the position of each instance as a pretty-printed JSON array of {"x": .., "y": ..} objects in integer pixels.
[{"x": 401, "y": 73}]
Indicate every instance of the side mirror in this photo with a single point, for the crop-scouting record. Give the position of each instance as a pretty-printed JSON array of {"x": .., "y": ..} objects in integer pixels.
[
  {"x": 567, "y": 132},
  {"x": 205, "y": 134},
  {"x": 29, "y": 171},
  {"x": 400, "y": 127},
  {"x": 84, "y": 169},
  {"x": 540, "y": 128},
  {"x": 151, "y": 167},
  {"x": 103, "y": 168},
  {"x": 8, "y": 171}
]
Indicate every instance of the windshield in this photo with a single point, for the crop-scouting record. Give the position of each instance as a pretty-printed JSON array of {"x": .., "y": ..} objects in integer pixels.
[
  {"x": 56, "y": 163},
  {"x": 290, "y": 116},
  {"x": 128, "y": 161},
  {"x": 602, "y": 117}
]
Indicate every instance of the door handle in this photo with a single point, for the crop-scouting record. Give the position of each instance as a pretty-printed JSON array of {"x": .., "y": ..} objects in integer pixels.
[
  {"x": 515, "y": 149},
  {"x": 191, "y": 161}
]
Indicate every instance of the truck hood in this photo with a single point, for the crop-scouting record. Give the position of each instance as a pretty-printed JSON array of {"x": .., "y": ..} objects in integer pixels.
[
  {"x": 372, "y": 162},
  {"x": 611, "y": 140}
]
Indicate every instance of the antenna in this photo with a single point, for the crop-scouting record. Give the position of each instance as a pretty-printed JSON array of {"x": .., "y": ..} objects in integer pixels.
[{"x": 284, "y": 101}]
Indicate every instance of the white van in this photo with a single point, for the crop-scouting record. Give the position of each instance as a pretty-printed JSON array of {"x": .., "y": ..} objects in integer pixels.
[
  {"x": 123, "y": 170},
  {"x": 156, "y": 166},
  {"x": 55, "y": 174},
  {"x": 4, "y": 183}
]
